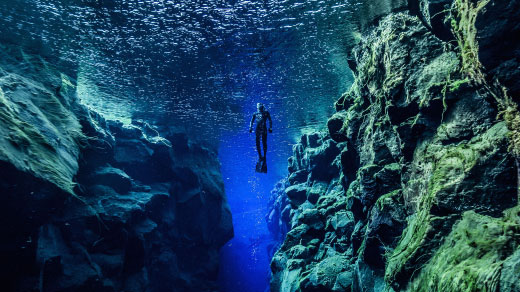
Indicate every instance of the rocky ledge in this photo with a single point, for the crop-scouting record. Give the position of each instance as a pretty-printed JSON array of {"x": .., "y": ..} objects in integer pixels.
[
  {"x": 414, "y": 184},
  {"x": 94, "y": 205}
]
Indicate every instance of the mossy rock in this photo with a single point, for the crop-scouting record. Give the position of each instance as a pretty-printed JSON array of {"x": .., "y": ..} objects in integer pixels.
[
  {"x": 39, "y": 132},
  {"x": 473, "y": 256},
  {"x": 297, "y": 194},
  {"x": 318, "y": 189},
  {"x": 452, "y": 179},
  {"x": 509, "y": 276}
]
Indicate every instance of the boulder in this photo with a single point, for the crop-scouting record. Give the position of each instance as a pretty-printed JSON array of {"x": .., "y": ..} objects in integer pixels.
[
  {"x": 298, "y": 177},
  {"x": 324, "y": 274},
  {"x": 297, "y": 194},
  {"x": 498, "y": 35},
  {"x": 335, "y": 125},
  {"x": 115, "y": 178},
  {"x": 509, "y": 280},
  {"x": 318, "y": 189}
]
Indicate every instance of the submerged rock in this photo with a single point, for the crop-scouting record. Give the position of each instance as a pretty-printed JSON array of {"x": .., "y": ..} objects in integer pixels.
[
  {"x": 416, "y": 178},
  {"x": 111, "y": 177},
  {"x": 39, "y": 132},
  {"x": 471, "y": 256},
  {"x": 509, "y": 280},
  {"x": 97, "y": 205}
]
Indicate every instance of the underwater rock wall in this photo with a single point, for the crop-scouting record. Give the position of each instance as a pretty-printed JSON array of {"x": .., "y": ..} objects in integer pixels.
[
  {"x": 415, "y": 184},
  {"x": 278, "y": 215},
  {"x": 95, "y": 205}
]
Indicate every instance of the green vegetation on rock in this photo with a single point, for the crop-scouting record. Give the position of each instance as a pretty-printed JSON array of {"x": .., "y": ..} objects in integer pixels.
[
  {"x": 422, "y": 145},
  {"x": 472, "y": 255},
  {"x": 39, "y": 133},
  {"x": 449, "y": 170},
  {"x": 464, "y": 15}
]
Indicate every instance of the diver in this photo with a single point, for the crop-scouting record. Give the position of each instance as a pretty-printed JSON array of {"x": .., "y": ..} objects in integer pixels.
[{"x": 261, "y": 117}]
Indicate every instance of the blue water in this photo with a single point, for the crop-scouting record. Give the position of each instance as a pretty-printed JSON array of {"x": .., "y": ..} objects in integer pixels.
[
  {"x": 192, "y": 64},
  {"x": 201, "y": 67},
  {"x": 244, "y": 264}
]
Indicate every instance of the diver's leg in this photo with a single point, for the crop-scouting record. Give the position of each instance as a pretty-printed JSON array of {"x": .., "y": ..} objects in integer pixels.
[
  {"x": 258, "y": 134},
  {"x": 264, "y": 142}
]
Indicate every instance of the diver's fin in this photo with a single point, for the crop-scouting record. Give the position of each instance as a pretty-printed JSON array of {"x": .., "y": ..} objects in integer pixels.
[
  {"x": 261, "y": 166},
  {"x": 264, "y": 166}
]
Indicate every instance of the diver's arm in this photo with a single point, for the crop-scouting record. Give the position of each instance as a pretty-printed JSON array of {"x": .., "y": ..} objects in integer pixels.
[
  {"x": 251, "y": 123},
  {"x": 270, "y": 122}
]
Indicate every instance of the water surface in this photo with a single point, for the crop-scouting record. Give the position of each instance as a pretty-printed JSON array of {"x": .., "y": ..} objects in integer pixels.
[{"x": 201, "y": 67}]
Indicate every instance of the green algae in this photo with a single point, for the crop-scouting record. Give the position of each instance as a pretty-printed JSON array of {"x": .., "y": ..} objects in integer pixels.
[
  {"x": 42, "y": 158},
  {"x": 455, "y": 85},
  {"x": 448, "y": 168},
  {"x": 511, "y": 116},
  {"x": 463, "y": 18},
  {"x": 471, "y": 257},
  {"x": 440, "y": 170},
  {"x": 40, "y": 134},
  {"x": 381, "y": 201}
]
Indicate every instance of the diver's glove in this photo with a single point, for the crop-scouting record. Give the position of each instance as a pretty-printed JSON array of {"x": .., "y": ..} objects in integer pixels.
[{"x": 270, "y": 130}]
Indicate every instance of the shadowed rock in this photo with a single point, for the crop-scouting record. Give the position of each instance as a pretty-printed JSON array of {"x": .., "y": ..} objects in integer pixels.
[
  {"x": 423, "y": 180},
  {"x": 122, "y": 210}
]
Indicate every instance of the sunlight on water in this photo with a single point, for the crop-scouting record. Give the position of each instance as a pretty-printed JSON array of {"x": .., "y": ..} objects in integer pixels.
[
  {"x": 202, "y": 66},
  {"x": 200, "y": 63}
]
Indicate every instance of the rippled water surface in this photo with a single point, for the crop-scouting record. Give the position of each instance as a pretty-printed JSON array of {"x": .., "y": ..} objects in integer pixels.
[
  {"x": 200, "y": 63},
  {"x": 202, "y": 66}
]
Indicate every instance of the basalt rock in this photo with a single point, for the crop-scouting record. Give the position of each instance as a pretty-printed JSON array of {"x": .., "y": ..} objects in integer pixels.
[
  {"x": 419, "y": 178},
  {"x": 278, "y": 216},
  {"x": 90, "y": 204}
]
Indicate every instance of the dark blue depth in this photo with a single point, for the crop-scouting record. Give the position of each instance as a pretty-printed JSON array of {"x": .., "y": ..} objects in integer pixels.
[{"x": 244, "y": 263}]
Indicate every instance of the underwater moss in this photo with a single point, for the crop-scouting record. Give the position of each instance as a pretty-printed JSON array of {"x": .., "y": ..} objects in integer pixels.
[
  {"x": 463, "y": 17},
  {"x": 511, "y": 115},
  {"x": 471, "y": 257},
  {"x": 380, "y": 203},
  {"x": 455, "y": 85},
  {"x": 40, "y": 134},
  {"x": 449, "y": 167}
]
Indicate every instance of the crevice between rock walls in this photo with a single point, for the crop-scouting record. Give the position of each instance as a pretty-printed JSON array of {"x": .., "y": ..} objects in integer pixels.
[
  {"x": 414, "y": 187},
  {"x": 90, "y": 204}
]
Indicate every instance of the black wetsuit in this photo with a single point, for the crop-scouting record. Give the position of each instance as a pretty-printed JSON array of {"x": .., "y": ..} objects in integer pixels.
[{"x": 261, "y": 118}]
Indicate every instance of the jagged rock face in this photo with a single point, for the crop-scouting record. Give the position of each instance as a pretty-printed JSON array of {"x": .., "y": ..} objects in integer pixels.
[
  {"x": 316, "y": 244},
  {"x": 279, "y": 211},
  {"x": 415, "y": 179},
  {"x": 39, "y": 135},
  {"x": 130, "y": 211},
  {"x": 496, "y": 29},
  {"x": 498, "y": 34}
]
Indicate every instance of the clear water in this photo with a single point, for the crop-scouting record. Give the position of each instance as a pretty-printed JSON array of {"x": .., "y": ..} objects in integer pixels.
[
  {"x": 201, "y": 66},
  {"x": 193, "y": 63}
]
